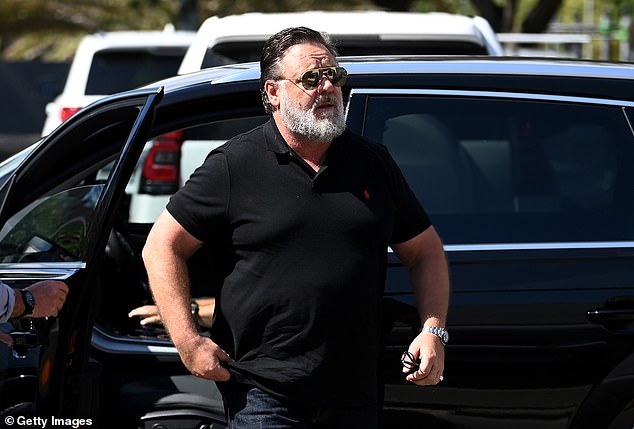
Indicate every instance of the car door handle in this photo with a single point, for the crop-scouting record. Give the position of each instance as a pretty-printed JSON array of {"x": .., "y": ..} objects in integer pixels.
[
  {"x": 617, "y": 314},
  {"x": 22, "y": 342},
  {"x": 611, "y": 316}
]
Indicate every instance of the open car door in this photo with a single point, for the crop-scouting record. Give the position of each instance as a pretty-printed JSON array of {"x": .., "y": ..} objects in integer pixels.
[{"x": 56, "y": 210}]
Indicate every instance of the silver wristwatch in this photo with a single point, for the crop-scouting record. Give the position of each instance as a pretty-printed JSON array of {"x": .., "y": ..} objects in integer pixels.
[{"x": 441, "y": 333}]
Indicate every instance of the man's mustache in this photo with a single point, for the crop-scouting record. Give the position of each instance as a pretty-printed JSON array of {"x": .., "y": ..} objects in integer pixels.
[{"x": 324, "y": 99}]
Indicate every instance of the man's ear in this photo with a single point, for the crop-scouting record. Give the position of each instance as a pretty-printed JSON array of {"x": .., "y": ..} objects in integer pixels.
[{"x": 272, "y": 92}]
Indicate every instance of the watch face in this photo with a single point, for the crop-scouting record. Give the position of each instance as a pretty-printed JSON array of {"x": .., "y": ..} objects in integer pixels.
[{"x": 29, "y": 302}]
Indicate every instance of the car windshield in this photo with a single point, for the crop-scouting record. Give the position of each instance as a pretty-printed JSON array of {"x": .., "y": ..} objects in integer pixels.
[
  {"x": 113, "y": 71},
  {"x": 247, "y": 51}
]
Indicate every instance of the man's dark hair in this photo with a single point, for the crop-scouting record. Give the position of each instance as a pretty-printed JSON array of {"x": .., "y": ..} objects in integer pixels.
[{"x": 276, "y": 46}]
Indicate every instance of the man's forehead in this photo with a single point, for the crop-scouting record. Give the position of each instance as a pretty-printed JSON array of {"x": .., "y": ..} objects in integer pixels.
[{"x": 307, "y": 54}]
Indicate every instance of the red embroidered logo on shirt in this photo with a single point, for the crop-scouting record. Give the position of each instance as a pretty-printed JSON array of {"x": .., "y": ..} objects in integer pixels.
[{"x": 366, "y": 194}]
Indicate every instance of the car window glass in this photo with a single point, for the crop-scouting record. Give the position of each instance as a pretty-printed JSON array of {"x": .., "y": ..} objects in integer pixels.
[
  {"x": 501, "y": 171},
  {"x": 51, "y": 229},
  {"x": 146, "y": 197},
  {"x": 113, "y": 71},
  {"x": 168, "y": 161},
  {"x": 50, "y": 207},
  {"x": 247, "y": 51}
]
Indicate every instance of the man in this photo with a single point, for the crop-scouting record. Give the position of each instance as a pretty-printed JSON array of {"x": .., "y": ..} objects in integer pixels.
[
  {"x": 306, "y": 211},
  {"x": 41, "y": 299}
]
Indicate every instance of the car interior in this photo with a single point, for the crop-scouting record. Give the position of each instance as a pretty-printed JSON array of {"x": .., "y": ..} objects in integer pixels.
[
  {"x": 172, "y": 396},
  {"x": 69, "y": 199}
]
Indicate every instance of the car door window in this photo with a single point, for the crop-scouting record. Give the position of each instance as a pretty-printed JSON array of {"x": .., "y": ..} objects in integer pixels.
[
  {"x": 169, "y": 160},
  {"x": 493, "y": 170},
  {"x": 52, "y": 199},
  {"x": 146, "y": 197},
  {"x": 52, "y": 228}
]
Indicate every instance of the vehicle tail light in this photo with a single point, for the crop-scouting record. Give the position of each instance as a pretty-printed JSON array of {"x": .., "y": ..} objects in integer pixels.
[
  {"x": 161, "y": 170},
  {"x": 67, "y": 112}
]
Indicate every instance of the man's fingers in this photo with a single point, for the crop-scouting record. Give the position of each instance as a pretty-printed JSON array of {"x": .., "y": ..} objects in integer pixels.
[
  {"x": 426, "y": 375},
  {"x": 216, "y": 372},
  {"x": 221, "y": 373},
  {"x": 223, "y": 356},
  {"x": 151, "y": 320},
  {"x": 143, "y": 311},
  {"x": 205, "y": 359}
]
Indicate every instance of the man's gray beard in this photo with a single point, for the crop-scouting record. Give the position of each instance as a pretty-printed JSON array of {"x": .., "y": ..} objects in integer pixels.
[{"x": 307, "y": 124}]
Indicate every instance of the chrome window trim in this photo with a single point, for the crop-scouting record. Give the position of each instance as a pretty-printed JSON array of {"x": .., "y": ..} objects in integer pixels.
[
  {"x": 492, "y": 94},
  {"x": 539, "y": 246},
  {"x": 37, "y": 270},
  {"x": 573, "y": 245}
]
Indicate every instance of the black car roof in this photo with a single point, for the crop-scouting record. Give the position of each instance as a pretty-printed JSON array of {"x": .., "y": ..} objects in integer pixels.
[
  {"x": 494, "y": 65},
  {"x": 494, "y": 73}
]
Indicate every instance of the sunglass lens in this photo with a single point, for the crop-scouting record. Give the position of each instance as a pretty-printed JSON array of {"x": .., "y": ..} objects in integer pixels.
[
  {"x": 311, "y": 79},
  {"x": 337, "y": 76}
]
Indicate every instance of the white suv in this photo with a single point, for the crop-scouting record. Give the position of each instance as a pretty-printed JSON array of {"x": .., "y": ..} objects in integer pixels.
[
  {"x": 168, "y": 161},
  {"x": 110, "y": 62},
  {"x": 239, "y": 38}
]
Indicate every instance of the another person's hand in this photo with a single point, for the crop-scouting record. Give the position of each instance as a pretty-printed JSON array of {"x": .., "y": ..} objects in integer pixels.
[
  {"x": 49, "y": 296},
  {"x": 6, "y": 338},
  {"x": 428, "y": 348},
  {"x": 148, "y": 314},
  {"x": 206, "y": 307}
]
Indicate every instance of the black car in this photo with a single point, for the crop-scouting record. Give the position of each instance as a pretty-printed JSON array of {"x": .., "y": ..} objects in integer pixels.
[{"x": 526, "y": 167}]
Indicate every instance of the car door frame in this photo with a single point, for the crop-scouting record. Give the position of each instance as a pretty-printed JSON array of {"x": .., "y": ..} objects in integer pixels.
[
  {"x": 151, "y": 357},
  {"x": 65, "y": 377}
]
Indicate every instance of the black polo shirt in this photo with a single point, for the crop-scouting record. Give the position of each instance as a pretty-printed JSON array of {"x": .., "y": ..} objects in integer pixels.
[{"x": 299, "y": 306}]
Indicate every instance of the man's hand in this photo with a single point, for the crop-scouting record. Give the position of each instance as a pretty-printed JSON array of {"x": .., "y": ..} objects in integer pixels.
[
  {"x": 204, "y": 358},
  {"x": 49, "y": 297},
  {"x": 428, "y": 348}
]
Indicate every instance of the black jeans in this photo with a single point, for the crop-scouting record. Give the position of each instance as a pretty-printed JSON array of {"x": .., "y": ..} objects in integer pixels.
[{"x": 248, "y": 407}]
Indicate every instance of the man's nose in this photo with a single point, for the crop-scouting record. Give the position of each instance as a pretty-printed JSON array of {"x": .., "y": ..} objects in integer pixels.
[{"x": 324, "y": 84}]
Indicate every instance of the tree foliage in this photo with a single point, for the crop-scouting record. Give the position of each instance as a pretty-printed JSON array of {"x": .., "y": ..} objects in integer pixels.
[
  {"x": 503, "y": 16},
  {"x": 51, "y": 29}
]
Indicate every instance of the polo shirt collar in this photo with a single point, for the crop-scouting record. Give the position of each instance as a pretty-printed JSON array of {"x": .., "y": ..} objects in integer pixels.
[
  {"x": 274, "y": 140},
  {"x": 276, "y": 143}
]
